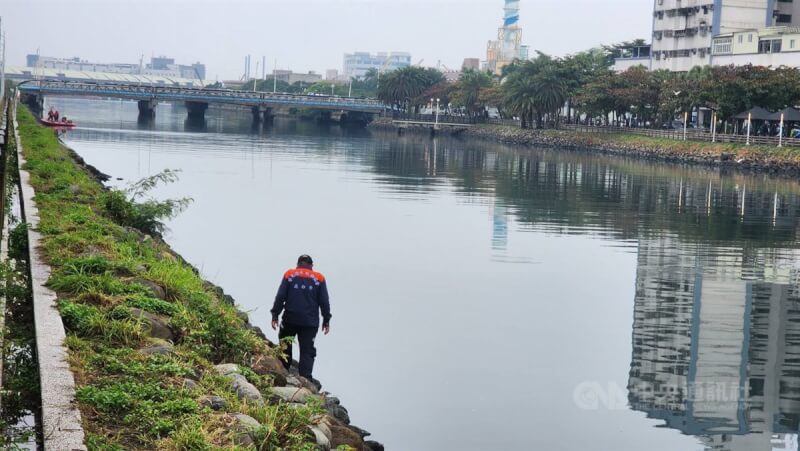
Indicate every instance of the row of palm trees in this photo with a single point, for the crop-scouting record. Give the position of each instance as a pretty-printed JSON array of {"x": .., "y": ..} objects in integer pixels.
[{"x": 532, "y": 90}]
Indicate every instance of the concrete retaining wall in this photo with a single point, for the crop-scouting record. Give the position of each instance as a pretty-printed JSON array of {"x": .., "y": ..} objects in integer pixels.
[{"x": 61, "y": 419}]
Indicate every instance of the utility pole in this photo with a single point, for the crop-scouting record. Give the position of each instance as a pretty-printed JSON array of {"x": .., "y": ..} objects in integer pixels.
[{"x": 255, "y": 77}]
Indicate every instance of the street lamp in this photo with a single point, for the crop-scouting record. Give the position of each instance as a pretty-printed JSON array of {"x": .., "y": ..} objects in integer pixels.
[{"x": 436, "y": 123}]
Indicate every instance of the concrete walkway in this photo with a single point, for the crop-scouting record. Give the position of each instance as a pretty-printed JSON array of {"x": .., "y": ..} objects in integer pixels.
[{"x": 61, "y": 419}]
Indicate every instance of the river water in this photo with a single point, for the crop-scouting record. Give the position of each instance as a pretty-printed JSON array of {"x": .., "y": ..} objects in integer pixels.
[{"x": 492, "y": 298}]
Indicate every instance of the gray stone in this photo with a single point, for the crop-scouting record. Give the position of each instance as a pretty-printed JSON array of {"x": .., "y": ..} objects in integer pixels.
[
  {"x": 245, "y": 390},
  {"x": 189, "y": 384},
  {"x": 165, "y": 349},
  {"x": 373, "y": 445},
  {"x": 227, "y": 369},
  {"x": 266, "y": 365},
  {"x": 359, "y": 431},
  {"x": 214, "y": 402},
  {"x": 339, "y": 412},
  {"x": 155, "y": 326},
  {"x": 155, "y": 289},
  {"x": 293, "y": 394},
  {"x": 325, "y": 427},
  {"x": 74, "y": 189},
  {"x": 293, "y": 381},
  {"x": 323, "y": 441},
  {"x": 245, "y": 425},
  {"x": 331, "y": 400}
]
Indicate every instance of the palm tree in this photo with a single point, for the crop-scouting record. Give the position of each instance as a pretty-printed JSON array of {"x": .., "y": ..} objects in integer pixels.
[
  {"x": 404, "y": 87},
  {"x": 470, "y": 85},
  {"x": 536, "y": 89}
]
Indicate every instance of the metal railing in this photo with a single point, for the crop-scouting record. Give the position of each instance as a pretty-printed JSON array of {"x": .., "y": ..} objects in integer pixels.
[
  {"x": 692, "y": 134},
  {"x": 452, "y": 119},
  {"x": 443, "y": 118},
  {"x": 169, "y": 93}
]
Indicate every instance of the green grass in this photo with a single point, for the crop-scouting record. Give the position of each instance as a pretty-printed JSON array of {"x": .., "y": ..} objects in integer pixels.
[
  {"x": 789, "y": 154},
  {"x": 130, "y": 400}
]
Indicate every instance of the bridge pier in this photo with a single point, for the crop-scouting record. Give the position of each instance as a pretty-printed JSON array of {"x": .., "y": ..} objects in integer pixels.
[
  {"x": 147, "y": 108},
  {"x": 262, "y": 114},
  {"x": 35, "y": 101},
  {"x": 356, "y": 118},
  {"x": 196, "y": 110}
]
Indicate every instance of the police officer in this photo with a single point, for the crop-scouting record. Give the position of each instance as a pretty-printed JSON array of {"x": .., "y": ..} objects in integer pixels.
[{"x": 303, "y": 293}]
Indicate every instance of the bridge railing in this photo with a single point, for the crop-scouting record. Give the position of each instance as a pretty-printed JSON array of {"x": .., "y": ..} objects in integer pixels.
[
  {"x": 198, "y": 94},
  {"x": 692, "y": 134},
  {"x": 443, "y": 118}
]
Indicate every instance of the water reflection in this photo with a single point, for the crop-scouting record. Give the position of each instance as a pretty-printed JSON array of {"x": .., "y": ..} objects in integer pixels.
[
  {"x": 545, "y": 246},
  {"x": 716, "y": 342}
]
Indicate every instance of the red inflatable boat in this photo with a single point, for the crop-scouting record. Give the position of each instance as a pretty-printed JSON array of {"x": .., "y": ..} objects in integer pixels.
[{"x": 57, "y": 123}]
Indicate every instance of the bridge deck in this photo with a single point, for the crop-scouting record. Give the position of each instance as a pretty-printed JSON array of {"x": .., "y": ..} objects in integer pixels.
[{"x": 173, "y": 94}]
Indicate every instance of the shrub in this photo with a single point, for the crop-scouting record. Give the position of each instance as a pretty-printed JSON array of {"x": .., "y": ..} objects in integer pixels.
[{"x": 125, "y": 208}]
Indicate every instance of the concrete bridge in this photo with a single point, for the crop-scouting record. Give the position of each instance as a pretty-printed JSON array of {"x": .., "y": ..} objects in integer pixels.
[{"x": 197, "y": 100}]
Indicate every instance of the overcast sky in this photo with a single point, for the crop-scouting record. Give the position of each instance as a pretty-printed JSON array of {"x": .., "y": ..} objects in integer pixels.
[{"x": 305, "y": 35}]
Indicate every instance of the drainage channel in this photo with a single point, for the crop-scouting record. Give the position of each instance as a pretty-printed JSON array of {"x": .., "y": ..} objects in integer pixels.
[{"x": 20, "y": 392}]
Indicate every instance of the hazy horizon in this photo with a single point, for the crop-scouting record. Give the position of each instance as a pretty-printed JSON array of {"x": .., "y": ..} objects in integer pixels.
[{"x": 304, "y": 35}]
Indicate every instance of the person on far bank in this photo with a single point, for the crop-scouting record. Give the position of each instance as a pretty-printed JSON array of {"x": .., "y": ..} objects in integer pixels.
[{"x": 303, "y": 293}]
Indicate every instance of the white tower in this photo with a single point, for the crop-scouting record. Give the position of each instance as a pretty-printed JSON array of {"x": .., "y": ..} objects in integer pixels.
[{"x": 508, "y": 45}]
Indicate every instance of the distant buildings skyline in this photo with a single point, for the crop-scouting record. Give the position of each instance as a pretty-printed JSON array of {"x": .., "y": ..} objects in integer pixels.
[
  {"x": 357, "y": 64},
  {"x": 158, "y": 66}
]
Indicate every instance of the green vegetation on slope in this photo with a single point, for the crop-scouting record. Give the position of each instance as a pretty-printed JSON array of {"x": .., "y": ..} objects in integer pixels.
[{"x": 102, "y": 271}]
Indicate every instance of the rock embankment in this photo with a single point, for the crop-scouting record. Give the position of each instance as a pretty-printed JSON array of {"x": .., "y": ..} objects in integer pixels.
[{"x": 743, "y": 158}]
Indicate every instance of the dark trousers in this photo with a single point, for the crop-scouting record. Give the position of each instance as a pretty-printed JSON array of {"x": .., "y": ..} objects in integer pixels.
[{"x": 305, "y": 335}]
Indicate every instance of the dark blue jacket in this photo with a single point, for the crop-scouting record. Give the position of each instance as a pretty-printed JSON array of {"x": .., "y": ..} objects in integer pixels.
[{"x": 302, "y": 294}]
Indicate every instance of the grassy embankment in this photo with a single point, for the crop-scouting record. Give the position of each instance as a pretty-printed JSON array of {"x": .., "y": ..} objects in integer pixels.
[
  {"x": 664, "y": 145},
  {"x": 131, "y": 399}
]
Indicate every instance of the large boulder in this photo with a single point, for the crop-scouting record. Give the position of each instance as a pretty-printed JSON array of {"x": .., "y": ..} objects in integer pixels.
[
  {"x": 245, "y": 425},
  {"x": 156, "y": 290},
  {"x": 245, "y": 390},
  {"x": 345, "y": 436},
  {"x": 322, "y": 439},
  {"x": 266, "y": 365},
  {"x": 336, "y": 410},
  {"x": 226, "y": 369},
  {"x": 292, "y": 394},
  {"x": 155, "y": 326}
]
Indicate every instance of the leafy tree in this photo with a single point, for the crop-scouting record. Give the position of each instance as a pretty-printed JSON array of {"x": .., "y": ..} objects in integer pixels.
[{"x": 468, "y": 91}]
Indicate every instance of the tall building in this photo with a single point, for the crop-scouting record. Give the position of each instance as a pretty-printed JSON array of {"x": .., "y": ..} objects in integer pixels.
[
  {"x": 357, "y": 64},
  {"x": 508, "y": 46},
  {"x": 685, "y": 32}
]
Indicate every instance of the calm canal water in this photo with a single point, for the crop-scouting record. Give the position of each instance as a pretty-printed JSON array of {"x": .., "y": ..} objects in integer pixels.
[{"x": 492, "y": 298}]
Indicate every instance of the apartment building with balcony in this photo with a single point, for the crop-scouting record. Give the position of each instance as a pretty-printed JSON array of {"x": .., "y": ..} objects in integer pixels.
[{"x": 685, "y": 32}]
